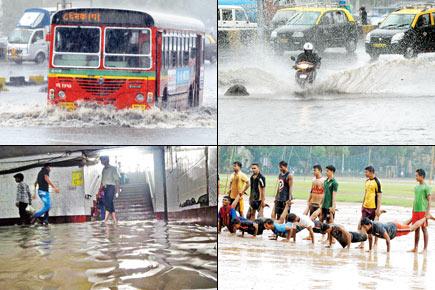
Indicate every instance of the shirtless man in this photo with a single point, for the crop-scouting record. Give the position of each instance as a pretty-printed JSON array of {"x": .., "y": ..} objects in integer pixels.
[{"x": 316, "y": 193}]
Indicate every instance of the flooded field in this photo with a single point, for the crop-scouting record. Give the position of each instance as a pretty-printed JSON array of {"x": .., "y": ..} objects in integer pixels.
[
  {"x": 258, "y": 263},
  {"x": 133, "y": 255}
]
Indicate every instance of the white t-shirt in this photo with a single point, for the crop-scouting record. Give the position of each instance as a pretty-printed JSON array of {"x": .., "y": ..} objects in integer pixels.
[{"x": 305, "y": 221}]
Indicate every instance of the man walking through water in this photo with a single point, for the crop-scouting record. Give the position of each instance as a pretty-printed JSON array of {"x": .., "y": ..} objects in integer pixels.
[
  {"x": 371, "y": 207},
  {"x": 110, "y": 181},
  {"x": 43, "y": 181},
  {"x": 284, "y": 191},
  {"x": 421, "y": 208},
  {"x": 239, "y": 183},
  {"x": 257, "y": 196}
]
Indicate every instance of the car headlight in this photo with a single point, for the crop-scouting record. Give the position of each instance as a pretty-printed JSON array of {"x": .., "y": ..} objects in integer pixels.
[
  {"x": 274, "y": 34},
  {"x": 298, "y": 34},
  {"x": 61, "y": 94},
  {"x": 368, "y": 37},
  {"x": 140, "y": 98},
  {"x": 397, "y": 37}
]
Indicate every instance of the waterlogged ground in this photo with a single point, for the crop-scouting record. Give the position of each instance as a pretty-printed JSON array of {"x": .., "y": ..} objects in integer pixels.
[
  {"x": 133, "y": 255},
  {"x": 354, "y": 101},
  {"x": 27, "y": 120},
  {"x": 259, "y": 263}
]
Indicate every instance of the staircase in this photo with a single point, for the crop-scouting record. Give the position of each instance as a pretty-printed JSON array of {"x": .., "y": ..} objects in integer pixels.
[{"x": 134, "y": 201}]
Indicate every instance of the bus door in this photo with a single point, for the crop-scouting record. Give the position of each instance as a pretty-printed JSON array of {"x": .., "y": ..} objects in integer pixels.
[{"x": 199, "y": 61}]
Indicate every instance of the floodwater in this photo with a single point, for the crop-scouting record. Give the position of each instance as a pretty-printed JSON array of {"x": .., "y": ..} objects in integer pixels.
[
  {"x": 27, "y": 120},
  {"x": 133, "y": 255},
  {"x": 259, "y": 263},
  {"x": 354, "y": 101}
]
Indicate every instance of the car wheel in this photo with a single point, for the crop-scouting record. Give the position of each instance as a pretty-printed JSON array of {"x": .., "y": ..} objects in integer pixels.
[
  {"x": 351, "y": 46},
  {"x": 40, "y": 58},
  {"x": 410, "y": 52}
]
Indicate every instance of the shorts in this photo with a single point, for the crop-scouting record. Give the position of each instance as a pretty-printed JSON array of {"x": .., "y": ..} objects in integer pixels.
[
  {"x": 326, "y": 215},
  {"x": 313, "y": 208},
  {"x": 255, "y": 204},
  {"x": 109, "y": 194},
  {"x": 317, "y": 226},
  {"x": 279, "y": 207},
  {"x": 402, "y": 229},
  {"x": 299, "y": 228},
  {"x": 358, "y": 237},
  {"x": 418, "y": 216},
  {"x": 369, "y": 213}
]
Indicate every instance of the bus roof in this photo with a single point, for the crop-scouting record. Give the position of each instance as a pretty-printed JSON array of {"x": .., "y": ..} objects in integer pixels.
[{"x": 134, "y": 18}]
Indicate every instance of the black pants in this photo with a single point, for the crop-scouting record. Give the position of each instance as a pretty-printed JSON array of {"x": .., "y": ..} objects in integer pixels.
[{"x": 24, "y": 216}]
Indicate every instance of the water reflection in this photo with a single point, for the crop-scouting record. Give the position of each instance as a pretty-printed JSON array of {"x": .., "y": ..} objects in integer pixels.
[{"x": 132, "y": 255}]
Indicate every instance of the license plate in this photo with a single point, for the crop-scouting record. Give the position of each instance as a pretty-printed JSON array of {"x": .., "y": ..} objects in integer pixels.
[
  {"x": 67, "y": 106},
  {"x": 379, "y": 45},
  {"x": 139, "y": 107},
  {"x": 283, "y": 40},
  {"x": 303, "y": 76}
]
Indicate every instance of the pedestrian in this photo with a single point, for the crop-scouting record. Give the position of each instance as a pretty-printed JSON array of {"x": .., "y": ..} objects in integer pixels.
[
  {"x": 43, "y": 182},
  {"x": 110, "y": 184},
  {"x": 24, "y": 198},
  {"x": 363, "y": 15},
  {"x": 100, "y": 204}
]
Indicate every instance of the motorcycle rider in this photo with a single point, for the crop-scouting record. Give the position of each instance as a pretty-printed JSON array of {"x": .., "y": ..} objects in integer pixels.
[{"x": 309, "y": 55}]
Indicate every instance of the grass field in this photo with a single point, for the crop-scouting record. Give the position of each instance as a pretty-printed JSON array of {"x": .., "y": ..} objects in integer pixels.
[{"x": 395, "y": 192}]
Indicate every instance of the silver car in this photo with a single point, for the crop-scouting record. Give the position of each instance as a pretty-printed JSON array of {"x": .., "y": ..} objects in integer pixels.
[{"x": 27, "y": 45}]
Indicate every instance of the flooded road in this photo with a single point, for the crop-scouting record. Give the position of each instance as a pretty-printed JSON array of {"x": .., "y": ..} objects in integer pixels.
[
  {"x": 390, "y": 101},
  {"x": 258, "y": 263},
  {"x": 133, "y": 255},
  {"x": 27, "y": 120}
]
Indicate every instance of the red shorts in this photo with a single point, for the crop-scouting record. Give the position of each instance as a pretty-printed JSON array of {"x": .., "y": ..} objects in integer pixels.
[
  {"x": 402, "y": 230},
  {"x": 418, "y": 216}
]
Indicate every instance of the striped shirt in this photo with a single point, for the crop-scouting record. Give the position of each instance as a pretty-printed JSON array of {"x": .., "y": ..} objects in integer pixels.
[{"x": 23, "y": 193}]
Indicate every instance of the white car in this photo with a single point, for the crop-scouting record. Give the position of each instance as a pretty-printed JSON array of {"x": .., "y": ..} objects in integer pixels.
[
  {"x": 232, "y": 17},
  {"x": 27, "y": 45}
]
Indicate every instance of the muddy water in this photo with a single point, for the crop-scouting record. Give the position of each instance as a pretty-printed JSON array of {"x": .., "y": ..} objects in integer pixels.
[
  {"x": 133, "y": 255},
  {"x": 258, "y": 263}
]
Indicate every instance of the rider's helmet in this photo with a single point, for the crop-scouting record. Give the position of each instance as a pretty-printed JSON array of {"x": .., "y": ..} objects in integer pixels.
[{"x": 308, "y": 47}]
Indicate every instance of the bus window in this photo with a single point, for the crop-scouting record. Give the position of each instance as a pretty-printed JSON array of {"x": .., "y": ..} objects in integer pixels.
[
  {"x": 180, "y": 50},
  {"x": 193, "y": 51},
  {"x": 128, "y": 48},
  {"x": 186, "y": 51},
  {"x": 166, "y": 52},
  {"x": 173, "y": 51},
  {"x": 163, "y": 51},
  {"x": 69, "y": 52}
]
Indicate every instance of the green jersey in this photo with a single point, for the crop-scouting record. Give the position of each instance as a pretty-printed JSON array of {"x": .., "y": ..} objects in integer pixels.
[
  {"x": 329, "y": 187},
  {"x": 420, "y": 200}
]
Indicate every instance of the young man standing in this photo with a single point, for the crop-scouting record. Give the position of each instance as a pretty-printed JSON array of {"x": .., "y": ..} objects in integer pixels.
[
  {"x": 330, "y": 191},
  {"x": 24, "y": 198},
  {"x": 284, "y": 191},
  {"x": 421, "y": 208},
  {"x": 257, "y": 196},
  {"x": 316, "y": 193},
  {"x": 110, "y": 184},
  {"x": 371, "y": 207},
  {"x": 239, "y": 183}
]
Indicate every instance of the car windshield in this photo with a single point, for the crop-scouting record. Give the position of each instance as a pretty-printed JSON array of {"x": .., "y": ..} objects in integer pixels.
[
  {"x": 398, "y": 21},
  {"x": 304, "y": 18},
  {"x": 128, "y": 48},
  {"x": 77, "y": 47},
  {"x": 20, "y": 36},
  {"x": 281, "y": 17}
]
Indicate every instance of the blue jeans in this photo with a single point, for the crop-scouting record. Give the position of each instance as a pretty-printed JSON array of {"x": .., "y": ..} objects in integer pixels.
[{"x": 45, "y": 197}]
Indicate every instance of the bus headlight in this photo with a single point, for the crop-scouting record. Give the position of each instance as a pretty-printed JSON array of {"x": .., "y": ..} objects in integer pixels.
[
  {"x": 140, "y": 98},
  {"x": 150, "y": 98},
  {"x": 61, "y": 95},
  {"x": 51, "y": 94},
  {"x": 397, "y": 37}
]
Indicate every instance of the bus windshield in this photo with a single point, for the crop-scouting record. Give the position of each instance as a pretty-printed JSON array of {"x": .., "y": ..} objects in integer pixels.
[
  {"x": 20, "y": 36},
  {"x": 398, "y": 21},
  {"x": 128, "y": 48},
  {"x": 77, "y": 47},
  {"x": 304, "y": 18}
]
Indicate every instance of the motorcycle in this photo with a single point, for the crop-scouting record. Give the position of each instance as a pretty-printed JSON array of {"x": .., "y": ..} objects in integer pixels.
[{"x": 305, "y": 73}]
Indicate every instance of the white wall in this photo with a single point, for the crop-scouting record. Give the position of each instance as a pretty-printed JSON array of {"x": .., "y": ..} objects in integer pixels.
[{"x": 70, "y": 201}]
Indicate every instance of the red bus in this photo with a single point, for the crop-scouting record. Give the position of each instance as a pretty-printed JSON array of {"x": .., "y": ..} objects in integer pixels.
[{"x": 125, "y": 58}]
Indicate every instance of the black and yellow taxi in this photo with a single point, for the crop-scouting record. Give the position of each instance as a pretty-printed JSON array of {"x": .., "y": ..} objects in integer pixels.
[
  {"x": 324, "y": 27},
  {"x": 408, "y": 31}
]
